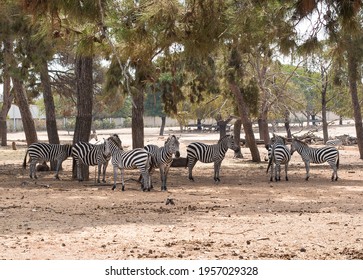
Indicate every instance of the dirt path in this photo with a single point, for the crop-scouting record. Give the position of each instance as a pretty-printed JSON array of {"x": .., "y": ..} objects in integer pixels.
[{"x": 243, "y": 217}]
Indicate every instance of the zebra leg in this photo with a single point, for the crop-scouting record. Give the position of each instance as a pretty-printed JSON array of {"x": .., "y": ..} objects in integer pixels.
[
  {"x": 146, "y": 180},
  {"x": 272, "y": 172},
  {"x": 104, "y": 172},
  {"x": 277, "y": 172},
  {"x": 286, "y": 166},
  {"x": 191, "y": 163},
  {"x": 122, "y": 180},
  {"x": 164, "y": 174},
  {"x": 79, "y": 173},
  {"x": 59, "y": 162},
  {"x": 307, "y": 167},
  {"x": 115, "y": 168},
  {"x": 334, "y": 176},
  {"x": 217, "y": 167},
  {"x": 151, "y": 171},
  {"x": 32, "y": 168},
  {"x": 99, "y": 166}
]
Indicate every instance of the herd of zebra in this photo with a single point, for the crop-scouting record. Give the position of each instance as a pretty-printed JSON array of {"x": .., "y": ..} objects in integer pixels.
[
  {"x": 278, "y": 153},
  {"x": 147, "y": 159}
]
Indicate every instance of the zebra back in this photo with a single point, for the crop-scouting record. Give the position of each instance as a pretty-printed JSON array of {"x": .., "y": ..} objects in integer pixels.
[
  {"x": 48, "y": 152},
  {"x": 315, "y": 155},
  {"x": 211, "y": 153},
  {"x": 90, "y": 154},
  {"x": 134, "y": 158}
]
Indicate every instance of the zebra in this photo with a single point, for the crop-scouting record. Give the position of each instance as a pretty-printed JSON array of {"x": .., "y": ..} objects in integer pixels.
[
  {"x": 91, "y": 154},
  {"x": 136, "y": 158},
  {"x": 209, "y": 153},
  {"x": 163, "y": 157},
  {"x": 328, "y": 154},
  {"x": 279, "y": 154},
  {"x": 334, "y": 142},
  {"x": 41, "y": 152}
]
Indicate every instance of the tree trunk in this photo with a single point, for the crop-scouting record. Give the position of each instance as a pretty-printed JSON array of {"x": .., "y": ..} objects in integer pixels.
[
  {"x": 199, "y": 124},
  {"x": 263, "y": 127},
  {"x": 51, "y": 122},
  {"x": 235, "y": 63},
  {"x": 162, "y": 127},
  {"x": 7, "y": 96},
  {"x": 287, "y": 124},
  {"x": 353, "y": 88},
  {"x": 323, "y": 107},
  {"x": 26, "y": 115},
  {"x": 237, "y": 137},
  {"x": 222, "y": 125},
  {"x": 84, "y": 92},
  {"x": 137, "y": 125},
  {"x": 247, "y": 124}
]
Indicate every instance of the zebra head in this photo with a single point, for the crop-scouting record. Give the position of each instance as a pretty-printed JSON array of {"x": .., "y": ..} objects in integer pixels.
[
  {"x": 172, "y": 145},
  {"x": 116, "y": 140},
  {"x": 277, "y": 139},
  {"x": 296, "y": 144},
  {"x": 106, "y": 151},
  {"x": 229, "y": 142}
]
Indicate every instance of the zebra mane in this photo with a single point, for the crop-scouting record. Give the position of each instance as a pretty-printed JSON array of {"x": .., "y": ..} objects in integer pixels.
[
  {"x": 116, "y": 140},
  {"x": 170, "y": 138},
  {"x": 224, "y": 137},
  {"x": 301, "y": 142}
]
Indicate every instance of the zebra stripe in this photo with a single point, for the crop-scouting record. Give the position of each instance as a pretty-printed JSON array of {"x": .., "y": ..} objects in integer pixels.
[
  {"x": 40, "y": 152},
  {"x": 163, "y": 157},
  {"x": 136, "y": 158},
  {"x": 279, "y": 154},
  {"x": 317, "y": 155},
  {"x": 209, "y": 153},
  {"x": 90, "y": 154}
]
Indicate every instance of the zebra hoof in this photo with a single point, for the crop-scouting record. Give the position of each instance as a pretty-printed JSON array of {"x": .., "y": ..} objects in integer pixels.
[
  {"x": 287, "y": 179},
  {"x": 191, "y": 179},
  {"x": 114, "y": 187}
]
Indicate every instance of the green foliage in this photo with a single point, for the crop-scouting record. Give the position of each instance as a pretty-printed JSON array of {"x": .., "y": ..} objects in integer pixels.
[
  {"x": 250, "y": 93},
  {"x": 104, "y": 124}
]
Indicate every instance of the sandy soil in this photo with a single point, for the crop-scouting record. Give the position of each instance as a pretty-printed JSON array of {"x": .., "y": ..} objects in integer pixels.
[{"x": 245, "y": 216}]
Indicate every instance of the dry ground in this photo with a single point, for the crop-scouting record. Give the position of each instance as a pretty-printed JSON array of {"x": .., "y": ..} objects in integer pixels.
[{"x": 243, "y": 217}]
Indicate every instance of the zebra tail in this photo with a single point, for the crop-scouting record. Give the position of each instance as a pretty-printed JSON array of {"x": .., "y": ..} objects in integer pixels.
[
  {"x": 338, "y": 161},
  {"x": 270, "y": 159},
  {"x": 151, "y": 162},
  {"x": 24, "y": 163}
]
